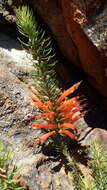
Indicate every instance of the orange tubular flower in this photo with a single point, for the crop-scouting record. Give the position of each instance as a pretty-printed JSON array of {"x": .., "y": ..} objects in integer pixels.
[
  {"x": 40, "y": 106},
  {"x": 43, "y": 126},
  {"x": 68, "y": 115},
  {"x": 69, "y": 134},
  {"x": 48, "y": 104},
  {"x": 49, "y": 115},
  {"x": 67, "y": 92},
  {"x": 68, "y": 108},
  {"x": 68, "y": 102},
  {"x": 77, "y": 117},
  {"x": 68, "y": 126},
  {"x": 35, "y": 98},
  {"x": 43, "y": 138},
  {"x": 34, "y": 90}
]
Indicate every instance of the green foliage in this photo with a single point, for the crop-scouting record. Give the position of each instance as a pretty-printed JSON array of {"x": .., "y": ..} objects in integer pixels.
[
  {"x": 7, "y": 181},
  {"x": 87, "y": 184},
  {"x": 98, "y": 166},
  {"x": 77, "y": 175},
  {"x": 47, "y": 97},
  {"x": 4, "y": 156},
  {"x": 39, "y": 46}
]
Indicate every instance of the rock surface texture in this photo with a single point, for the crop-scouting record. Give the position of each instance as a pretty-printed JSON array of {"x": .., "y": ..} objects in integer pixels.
[
  {"x": 69, "y": 22},
  {"x": 91, "y": 59}
]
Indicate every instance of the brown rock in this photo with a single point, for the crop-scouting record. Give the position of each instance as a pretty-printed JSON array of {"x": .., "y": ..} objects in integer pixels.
[
  {"x": 91, "y": 59},
  {"x": 96, "y": 135},
  {"x": 89, "y": 7},
  {"x": 65, "y": 19}
]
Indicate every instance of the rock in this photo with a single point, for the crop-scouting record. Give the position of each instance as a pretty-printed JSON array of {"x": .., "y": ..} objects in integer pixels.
[
  {"x": 68, "y": 23},
  {"x": 7, "y": 18},
  {"x": 90, "y": 7},
  {"x": 96, "y": 135},
  {"x": 96, "y": 29},
  {"x": 91, "y": 59}
]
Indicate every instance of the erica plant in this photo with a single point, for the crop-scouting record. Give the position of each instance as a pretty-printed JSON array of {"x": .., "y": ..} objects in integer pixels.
[
  {"x": 55, "y": 107},
  {"x": 97, "y": 180}
]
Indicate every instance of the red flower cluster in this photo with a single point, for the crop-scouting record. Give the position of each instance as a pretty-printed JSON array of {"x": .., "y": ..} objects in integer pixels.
[{"x": 58, "y": 116}]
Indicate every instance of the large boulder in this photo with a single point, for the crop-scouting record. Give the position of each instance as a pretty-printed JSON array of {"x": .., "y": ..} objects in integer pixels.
[{"x": 92, "y": 61}]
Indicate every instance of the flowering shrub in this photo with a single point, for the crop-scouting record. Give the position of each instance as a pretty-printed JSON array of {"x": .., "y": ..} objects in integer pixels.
[{"x": 56, "y": 109}]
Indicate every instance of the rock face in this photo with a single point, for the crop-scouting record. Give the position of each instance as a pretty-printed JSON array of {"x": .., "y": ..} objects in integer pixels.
[
  {"x": 65, "y": 21},
  {"x": 90, "y": 7},
  {"x": 96, "y": 135},
  {"x": 91, "y": 59}
]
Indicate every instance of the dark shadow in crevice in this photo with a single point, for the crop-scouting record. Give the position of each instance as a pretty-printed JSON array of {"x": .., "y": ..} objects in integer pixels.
[{"x": 96, "y": 117}]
